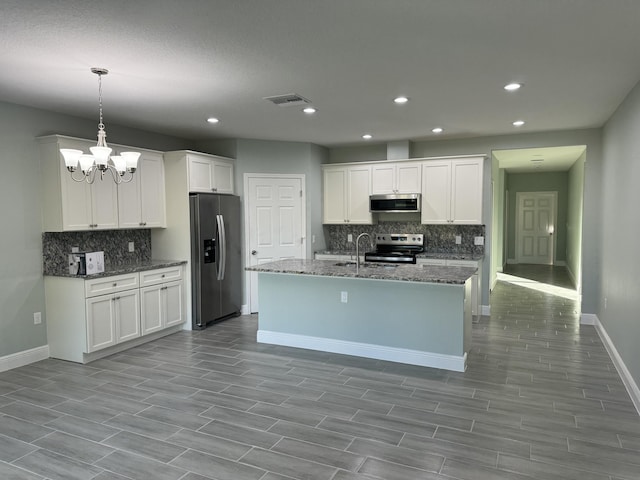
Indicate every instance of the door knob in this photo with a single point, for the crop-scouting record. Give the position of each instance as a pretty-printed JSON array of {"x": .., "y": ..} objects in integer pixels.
[{"x": 253, "y": 252}]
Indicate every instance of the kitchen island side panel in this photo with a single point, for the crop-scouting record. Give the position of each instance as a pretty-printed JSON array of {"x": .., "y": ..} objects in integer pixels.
[{"x": 422, "y": 317}]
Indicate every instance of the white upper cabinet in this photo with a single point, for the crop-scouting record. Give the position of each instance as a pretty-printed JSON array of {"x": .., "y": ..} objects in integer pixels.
[
  {"x": 104, "y": 204},
  {"x": 359, "y": 189},
  {"x": 209, "y": 173},
  {"x": 346, "y": 191},
  {"x": 400, "y": 177},
  {"x": 334, "y": 198},
  {"x": 452, "y": 191},
  {"x": 71, "y": 205},
  {"x": 141, "y": 202}
]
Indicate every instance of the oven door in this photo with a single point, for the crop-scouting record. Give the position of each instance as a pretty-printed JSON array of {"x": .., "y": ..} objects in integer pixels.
[{"x": 390, "y": 257}]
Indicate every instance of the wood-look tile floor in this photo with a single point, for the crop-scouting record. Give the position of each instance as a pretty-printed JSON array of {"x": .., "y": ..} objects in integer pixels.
[{"x": 540, "y": 400}]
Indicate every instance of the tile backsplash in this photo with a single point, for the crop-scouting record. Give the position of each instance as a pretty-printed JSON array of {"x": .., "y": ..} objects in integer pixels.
[
  {"x": 56, "y": 247},
  {"x": 438, "y": 238}
]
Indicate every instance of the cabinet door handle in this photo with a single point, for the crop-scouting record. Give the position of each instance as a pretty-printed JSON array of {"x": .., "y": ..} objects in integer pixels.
[
  {"x": 214, "y": 189},
  {"x": 114, "y": 285}
]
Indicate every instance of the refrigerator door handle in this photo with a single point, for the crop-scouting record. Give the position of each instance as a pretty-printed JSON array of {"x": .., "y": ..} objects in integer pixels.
[{"x": 222, "y": 241}]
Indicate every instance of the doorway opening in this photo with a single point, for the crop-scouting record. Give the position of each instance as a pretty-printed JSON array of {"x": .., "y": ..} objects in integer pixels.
[{"x": 537, "y": 210}]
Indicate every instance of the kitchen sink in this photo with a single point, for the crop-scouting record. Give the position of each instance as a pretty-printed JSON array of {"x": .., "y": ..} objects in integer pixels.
[
  {"x": 365, "y": 265},
  {"x": 379, "y": 265}
]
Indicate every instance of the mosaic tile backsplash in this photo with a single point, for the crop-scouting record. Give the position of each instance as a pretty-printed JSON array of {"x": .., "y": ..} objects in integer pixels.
[
  {"x": 438, "y": 238},
  {"x": 56, "y": 247}
]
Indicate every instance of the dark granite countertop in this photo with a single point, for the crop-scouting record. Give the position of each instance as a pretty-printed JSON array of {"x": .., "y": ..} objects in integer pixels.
[
  {"x": 443, "y": 255},
  {"x": 374, "y": 271},
  {"x": 110, "y": 270}
]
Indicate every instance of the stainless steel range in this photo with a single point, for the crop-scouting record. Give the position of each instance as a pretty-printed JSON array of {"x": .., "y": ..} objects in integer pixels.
[{"x": 396, "y": 248}]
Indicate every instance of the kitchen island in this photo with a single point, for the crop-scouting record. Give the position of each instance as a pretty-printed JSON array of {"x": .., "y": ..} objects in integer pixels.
[{"x": 412, "y": 314}]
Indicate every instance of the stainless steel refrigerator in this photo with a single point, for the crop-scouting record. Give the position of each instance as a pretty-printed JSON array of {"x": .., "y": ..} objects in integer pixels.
[{"x": 215, "y": 257}]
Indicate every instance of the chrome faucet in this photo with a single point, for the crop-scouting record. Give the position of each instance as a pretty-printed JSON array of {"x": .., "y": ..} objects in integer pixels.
[{"x": 358, "y": 251}]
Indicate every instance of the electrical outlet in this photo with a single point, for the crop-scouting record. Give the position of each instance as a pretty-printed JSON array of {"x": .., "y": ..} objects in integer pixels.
[
  {"x": 349, "y": 238},
  {"x": 132, "y": 247},
  {"x": 37, "y": 318},
  {"x": 458, "y": 239},
  {"x": 75, "y": 249},
  {"x": 478, "y": 241},
  {"x": 605, "y": 302},
  {"x": 313, "y": 239},
  {"x": 344, "y": 297}
]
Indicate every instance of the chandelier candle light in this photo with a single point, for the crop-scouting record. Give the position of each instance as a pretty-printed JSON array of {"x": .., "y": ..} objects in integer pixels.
[{"x": 98, "y": 161}]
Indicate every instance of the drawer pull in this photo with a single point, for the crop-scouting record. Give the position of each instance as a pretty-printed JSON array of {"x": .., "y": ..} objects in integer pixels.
[{"x": 115, "y": 285}]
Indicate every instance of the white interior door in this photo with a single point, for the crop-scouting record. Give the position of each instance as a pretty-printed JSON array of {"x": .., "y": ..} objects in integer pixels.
[
  {"x": 275, "y": 222},
  {"x": 536, "y": 220}
]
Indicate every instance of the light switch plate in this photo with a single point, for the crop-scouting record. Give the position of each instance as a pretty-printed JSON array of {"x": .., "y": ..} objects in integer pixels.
[
  {"x": 458, "y": 239},
  {"x": 132, "y": 247},
  {"x": 478, "y": 241}
]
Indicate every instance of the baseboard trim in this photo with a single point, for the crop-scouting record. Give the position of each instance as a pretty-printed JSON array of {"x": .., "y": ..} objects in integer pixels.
[
  {"x": 512, "y": 261},
  {"x": 245, "y": 310},
  {"x": 572, "y": 277},
  {"x": 20, "y": 359},
  {"x": 560, "y": 263},
  {"x": 629, "y": 383},
  {"x": 379, "y": 352},
  {"x": 589, "y": 319},
  {"x": 485, "y": 310}
]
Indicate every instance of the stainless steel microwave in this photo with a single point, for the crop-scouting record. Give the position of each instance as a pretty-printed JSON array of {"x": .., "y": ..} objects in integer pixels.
[{"x": 395, "y": 202}]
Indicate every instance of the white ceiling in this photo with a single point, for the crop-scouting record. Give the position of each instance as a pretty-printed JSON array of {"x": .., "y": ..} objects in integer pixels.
[{"x": 174, "y": 63}]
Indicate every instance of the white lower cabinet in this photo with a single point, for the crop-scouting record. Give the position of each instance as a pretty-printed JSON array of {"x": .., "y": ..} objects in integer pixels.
[
  {"x": 161, "y": 304},
  {"x": 86, "y": 317},
  {"x": 112, "y": 319}
]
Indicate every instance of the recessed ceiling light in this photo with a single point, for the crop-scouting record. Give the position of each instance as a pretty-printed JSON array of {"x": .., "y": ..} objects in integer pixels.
[
  {"x": 212, "y": 120},
  {"x": 518, "y": 123},
  {"x": 512, "y": 87},
  {"x": 401, "y": 99},
  {"x": 437, "y": 130},
  {"x": 309, "y": 110},
  {"x": 367, "y": 136}
]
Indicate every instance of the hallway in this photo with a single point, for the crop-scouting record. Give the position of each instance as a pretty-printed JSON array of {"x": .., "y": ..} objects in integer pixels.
[{"x": 540, "y": 400}]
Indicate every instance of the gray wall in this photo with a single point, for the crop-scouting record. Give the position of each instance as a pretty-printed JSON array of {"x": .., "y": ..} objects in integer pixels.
[
  {"x": 496, "y": 247},
  {"x": 539, "y": 182},
  {"x": 21, "y": 281},
  {"x": 619, "y": 231},
  {"x": 575, "y": 213}
]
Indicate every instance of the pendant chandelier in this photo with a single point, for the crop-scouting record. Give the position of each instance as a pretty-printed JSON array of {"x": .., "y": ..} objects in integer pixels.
[{"x": 100, "y": 160}]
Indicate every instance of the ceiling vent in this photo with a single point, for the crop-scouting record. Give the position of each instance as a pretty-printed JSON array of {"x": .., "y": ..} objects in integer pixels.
[{"x": 288, "y": 100}]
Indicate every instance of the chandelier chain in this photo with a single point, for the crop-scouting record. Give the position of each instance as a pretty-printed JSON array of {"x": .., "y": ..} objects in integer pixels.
[{"x": 100, "y": 125}]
